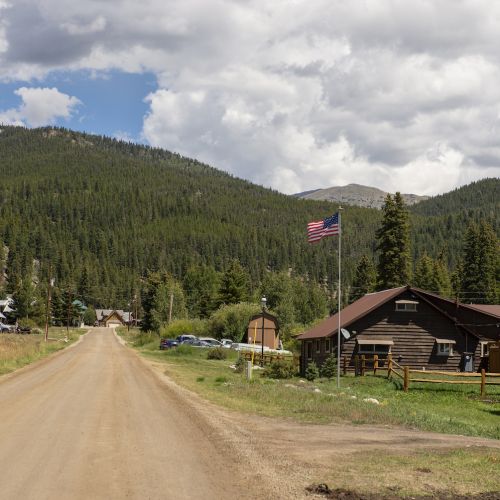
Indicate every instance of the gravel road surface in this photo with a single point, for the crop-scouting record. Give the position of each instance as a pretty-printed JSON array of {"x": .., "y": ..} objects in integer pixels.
[{"x": 96, "y": 421}]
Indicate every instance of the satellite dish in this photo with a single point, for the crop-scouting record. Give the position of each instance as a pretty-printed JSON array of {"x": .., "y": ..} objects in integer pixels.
[{"x": 345, "y": 333}]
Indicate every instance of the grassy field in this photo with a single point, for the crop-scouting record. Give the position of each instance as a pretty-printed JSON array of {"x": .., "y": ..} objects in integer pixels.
[
  {"x": 19, "y": 350},
  {"x": 443, "y": 408},
  {"x": 389, "y": 474}
]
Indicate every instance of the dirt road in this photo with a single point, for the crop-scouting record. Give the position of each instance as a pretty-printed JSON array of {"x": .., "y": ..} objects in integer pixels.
[{"x": 96, "y": 422}]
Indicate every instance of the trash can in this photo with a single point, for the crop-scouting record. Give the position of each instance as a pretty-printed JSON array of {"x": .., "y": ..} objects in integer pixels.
[{"x": 468, "y": 362}]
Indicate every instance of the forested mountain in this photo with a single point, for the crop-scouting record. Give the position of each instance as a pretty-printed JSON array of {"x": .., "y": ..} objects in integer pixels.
[
  {"x": 439, "y": 223},
  {"x": 99, "y": 213}
]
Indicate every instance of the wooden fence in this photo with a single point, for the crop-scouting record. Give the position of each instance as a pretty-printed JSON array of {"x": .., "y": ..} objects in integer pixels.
[
  {"x": 363, "y": 363},
  {"x": 268, "y": 358}
]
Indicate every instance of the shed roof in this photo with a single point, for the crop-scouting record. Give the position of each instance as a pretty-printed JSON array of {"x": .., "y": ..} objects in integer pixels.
[
  {"x": 485, "y": 308},
  {"x": 351, "y": 313}
]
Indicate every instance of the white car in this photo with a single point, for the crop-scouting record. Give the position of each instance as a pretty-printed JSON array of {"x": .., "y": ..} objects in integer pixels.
[
  {"x": 211, "y": 341},
  {"x": 227, "y": 343}
]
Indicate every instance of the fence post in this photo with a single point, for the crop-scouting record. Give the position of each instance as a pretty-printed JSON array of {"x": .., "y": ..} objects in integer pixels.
[
  {"x": 483, "y": 382},
  {"x": 363, "y": 365},
  {"x": 389, "y": 365},
  {"x": 356, "y": 365},
  {"x": 344, "y": 365},
  {"x": 406, "y": 382},
  {"x": 375, "y": 364}
]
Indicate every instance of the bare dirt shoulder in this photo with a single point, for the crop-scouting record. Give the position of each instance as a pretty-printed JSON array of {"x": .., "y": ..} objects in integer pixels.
[{"x": 288, "y": 456}]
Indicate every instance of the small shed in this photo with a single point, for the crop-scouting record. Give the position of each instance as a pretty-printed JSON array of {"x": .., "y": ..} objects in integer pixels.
[
  {"x": 494, "y": 358},
  {"x": 267, "y": 323}
]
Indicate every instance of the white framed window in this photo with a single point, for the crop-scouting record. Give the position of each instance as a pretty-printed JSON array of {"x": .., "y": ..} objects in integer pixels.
[
  {"x": 485, "y": 350},
  {"x": 445, "y": 349},
  {"x": 374, "y": 345},
  {"x": 406, "y": 305},
  {"x": 374, "y": 349},
  {"x": 318, "y": 346},
  {"x": 327, "y": 345}
]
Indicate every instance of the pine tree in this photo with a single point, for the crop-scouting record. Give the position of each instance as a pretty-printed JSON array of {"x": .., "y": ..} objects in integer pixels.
[
  {"x": 364, "y": 280},
  {"x": 393, "y": 236},
  {"x": 480, "y": 265},
  {"x": 235, "y": 285},
  {"x": 424, "y": 274}
]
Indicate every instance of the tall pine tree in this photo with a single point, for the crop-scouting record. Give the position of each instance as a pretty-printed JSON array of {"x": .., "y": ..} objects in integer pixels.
[{"x": 394, "y": 265}]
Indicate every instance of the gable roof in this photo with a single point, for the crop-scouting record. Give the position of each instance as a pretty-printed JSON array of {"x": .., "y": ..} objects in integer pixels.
[
  {"x": 491, "y": 309},
  {"x": 351, "y": 313}
]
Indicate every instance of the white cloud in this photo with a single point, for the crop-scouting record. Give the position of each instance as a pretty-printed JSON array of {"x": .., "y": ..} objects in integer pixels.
[
  {"x": 40, "y": 106},
  {"x": 289, "y": 93}
]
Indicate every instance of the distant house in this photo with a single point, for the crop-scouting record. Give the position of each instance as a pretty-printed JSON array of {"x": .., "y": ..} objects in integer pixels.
[
  {"x": 6, "y": 307},
  {"x": 111, "y": 318},
  {"x": 263, "y": 322},
  {"x": 419, "y": 329}
]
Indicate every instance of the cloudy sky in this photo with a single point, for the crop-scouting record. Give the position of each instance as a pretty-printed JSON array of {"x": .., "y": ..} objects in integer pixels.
[{"x": 292, "y": 94}]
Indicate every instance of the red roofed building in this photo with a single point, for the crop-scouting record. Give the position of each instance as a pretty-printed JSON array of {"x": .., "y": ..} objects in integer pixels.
[{"x": 420, "y": 329}]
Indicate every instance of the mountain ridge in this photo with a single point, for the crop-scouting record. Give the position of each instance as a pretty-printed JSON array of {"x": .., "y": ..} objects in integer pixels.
[{"x": 358, "y": 195}]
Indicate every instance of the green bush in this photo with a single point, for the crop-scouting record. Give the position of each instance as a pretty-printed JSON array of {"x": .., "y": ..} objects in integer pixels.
[
  {"x": 178, "y": 327},
  {"x": 231, "y": 321},
  {"x": 329, "y": 367},
  {"x": 217, "y": 353},
  {"x": 280, "y": 368},
  {"x": 182, "y": 350},
  {"x": 312, "y": 371},
  {"x": 143, "y": 338},
  {"x": 240, "y": 365}
]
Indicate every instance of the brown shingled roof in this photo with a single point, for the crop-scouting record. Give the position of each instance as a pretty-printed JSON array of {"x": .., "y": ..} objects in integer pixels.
[
  {"x": 351, "y": 313},
  {"x": 486, "y": 308}
]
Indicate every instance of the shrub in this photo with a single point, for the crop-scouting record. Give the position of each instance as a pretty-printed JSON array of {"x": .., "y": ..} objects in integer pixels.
[
  {"x": 312, "y": 371},
  {"x": 231, "y": 321},
  {"x": 184, "y": 327},
  {"x": 240, "y": 365},
  {"x": 217, "y": 353},
  {"x": 182, "y": 350},
  {"x": 329, "y": 367},
  {"x": 144, "y": 338},
  {"x": 280, "y": 368}
]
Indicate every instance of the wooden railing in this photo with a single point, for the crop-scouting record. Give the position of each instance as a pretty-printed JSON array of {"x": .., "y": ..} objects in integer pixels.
[
  {"x": 268, "y": 358},
  {"x": 405, "y": 374},
  {"x": 361, "y": 362}
]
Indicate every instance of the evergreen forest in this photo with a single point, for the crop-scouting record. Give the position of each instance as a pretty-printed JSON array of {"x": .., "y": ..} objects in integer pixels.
[{"x": 101, "y": 216}]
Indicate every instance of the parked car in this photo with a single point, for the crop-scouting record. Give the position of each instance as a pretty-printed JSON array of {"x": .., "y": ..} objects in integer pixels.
[
  {"x": 182, "y": 338},
  {"x": 7, "y": 328},
  {"x": 226, "y": 343},
  {"x": 168, "y": 344},
  {"x": 197, "y": 343},
  {"x": 211, "y": 341},
  {"x": 23, "y": 329}
]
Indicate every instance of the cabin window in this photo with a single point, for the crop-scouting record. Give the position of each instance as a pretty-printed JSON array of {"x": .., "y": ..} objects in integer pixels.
[
  {"x": 309, "y": 349},
  {"x": 484, "y": 349},
  {"x": 406, "y": 305},
  {"x": 318, "y": 346},
  {"x": 327, "y": 345},
  {"x": 445, "y": 347},
  {"x": 374, "y": 349}
]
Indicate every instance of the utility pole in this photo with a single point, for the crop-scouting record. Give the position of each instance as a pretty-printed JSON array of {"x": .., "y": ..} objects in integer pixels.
[
  {"x": 50, "y": 284},
  {"x": 170, "y": 308},
  {"x": 69, "y": 310}
]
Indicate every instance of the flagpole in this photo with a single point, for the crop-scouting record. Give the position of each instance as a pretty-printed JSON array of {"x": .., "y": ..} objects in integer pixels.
[{"x": 339, "y": 303}]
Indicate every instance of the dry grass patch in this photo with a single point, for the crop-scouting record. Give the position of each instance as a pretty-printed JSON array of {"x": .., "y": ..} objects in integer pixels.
[
  {"x": 467, "y": 471},
  {"x": 19, "y": 350}
]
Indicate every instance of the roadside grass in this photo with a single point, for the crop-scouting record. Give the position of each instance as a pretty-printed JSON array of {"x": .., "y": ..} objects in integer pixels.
[
  {"x": 432, "y": 407},
  {"x": 18, "y": 350},
  {"x": 467, "y": 472}
]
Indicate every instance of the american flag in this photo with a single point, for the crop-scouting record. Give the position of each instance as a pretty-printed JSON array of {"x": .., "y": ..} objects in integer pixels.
[{"x": 327, "y": 227}]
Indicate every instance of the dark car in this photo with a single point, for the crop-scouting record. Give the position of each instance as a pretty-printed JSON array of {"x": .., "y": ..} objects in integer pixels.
[{"x": 168, "y": 343}]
